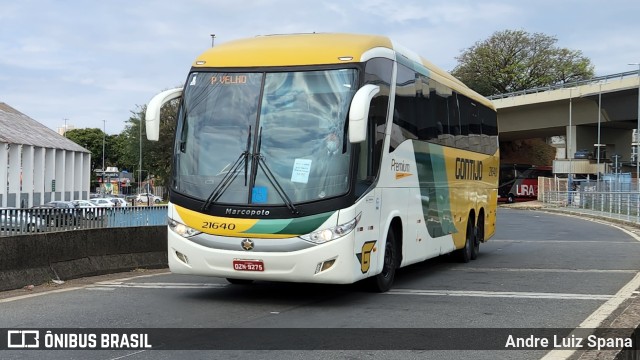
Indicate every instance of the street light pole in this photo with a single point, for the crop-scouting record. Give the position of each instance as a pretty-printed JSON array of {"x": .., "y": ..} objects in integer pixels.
[
  {"x": 103, "y": 140},
  {"x": 569, "y": 179},
  {"x": 140, "y": 157},
  {"x": 638, "y": 131},
  {"x": 104, "y": 134},
  {"x": 599, "y": 144}
]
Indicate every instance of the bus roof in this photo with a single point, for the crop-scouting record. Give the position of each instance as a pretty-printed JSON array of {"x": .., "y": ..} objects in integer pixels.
[
  {"x": 314, "y": 49},
  {"x": 276, "y": 50}
]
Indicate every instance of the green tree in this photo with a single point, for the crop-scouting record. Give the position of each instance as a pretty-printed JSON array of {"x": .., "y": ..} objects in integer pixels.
[
  {"x": 513, "y": 60},
  {"x": 92, "y": 140},
  {"x": 156, "y": 155}
]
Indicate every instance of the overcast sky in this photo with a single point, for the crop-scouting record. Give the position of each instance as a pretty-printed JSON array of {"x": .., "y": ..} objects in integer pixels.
[{"x": 89, "y": 61}]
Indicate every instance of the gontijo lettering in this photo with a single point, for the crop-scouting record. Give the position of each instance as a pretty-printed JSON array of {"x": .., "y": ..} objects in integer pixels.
[{"x": 467, "y": 169}]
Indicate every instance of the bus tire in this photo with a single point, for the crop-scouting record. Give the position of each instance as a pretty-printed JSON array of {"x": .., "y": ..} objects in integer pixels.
[
  {"x": 511, "y": 199},
  {"x": 239, "y": 281},
  {"x": 383, "y": 281},
  {"x": 478, "y": 237},
  {"x": 464, "y": 254}
]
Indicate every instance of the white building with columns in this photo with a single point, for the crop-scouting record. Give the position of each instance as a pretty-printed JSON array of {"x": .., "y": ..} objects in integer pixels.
[{"x": 37, "y": 165}]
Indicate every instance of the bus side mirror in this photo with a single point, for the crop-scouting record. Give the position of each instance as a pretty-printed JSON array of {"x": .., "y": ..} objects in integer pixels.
[
  {"x": 152, "y": 115},
  {"x": 359, "y": 112}
]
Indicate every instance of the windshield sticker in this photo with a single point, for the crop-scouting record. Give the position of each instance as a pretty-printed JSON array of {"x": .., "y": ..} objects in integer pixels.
[
  {"x": 193, "y": 81},
  {"x": 301, "y": 169},
  {"x": 259, "y": 195}
]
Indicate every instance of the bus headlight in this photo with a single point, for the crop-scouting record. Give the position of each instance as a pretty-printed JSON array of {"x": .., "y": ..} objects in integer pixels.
[
  {"x": 324, "y": 235},
  {"x": 182, "y": 229}
]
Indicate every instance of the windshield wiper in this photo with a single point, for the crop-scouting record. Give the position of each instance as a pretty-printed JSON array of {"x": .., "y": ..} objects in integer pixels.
[
  {"x": 228, "y": 178},
  {"x": 259, "y": 159}
]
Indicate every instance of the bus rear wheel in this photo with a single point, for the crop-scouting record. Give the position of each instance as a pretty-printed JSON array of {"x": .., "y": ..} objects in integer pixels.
[
  {"x": 383, "y": 281},
  {"x": 465, "y": 254},
  {"x": 477, "y": 238}
]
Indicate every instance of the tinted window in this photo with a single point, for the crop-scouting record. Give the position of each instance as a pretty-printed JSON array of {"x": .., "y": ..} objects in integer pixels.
[
  {"x": 427, "y": 110},
  {"x": 378, "y": 71}
]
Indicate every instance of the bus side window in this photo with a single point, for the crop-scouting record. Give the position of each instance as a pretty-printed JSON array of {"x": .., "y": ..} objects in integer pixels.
[{"x": 377, "y": 71}]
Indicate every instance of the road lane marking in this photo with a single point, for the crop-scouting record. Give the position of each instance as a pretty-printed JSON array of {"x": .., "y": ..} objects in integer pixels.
[
  {"x": 500, "y": 294},
  {"x": 562, "y": 241},
  {"x": 597, "y": 317},
  {"x": 598, "y": 271},
  {"x": 48, "y": 292},
  {"x": 21, "y": 297},
  {"x": 162, "y": 285},
  {"x": 131, "y": 354},
  {"x": 605, "y": 310}
]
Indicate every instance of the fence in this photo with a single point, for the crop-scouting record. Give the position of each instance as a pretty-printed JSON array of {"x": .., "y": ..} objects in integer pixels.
[
  {"x": 29, "y": 221},
  {"x": 591, "y": 197}
]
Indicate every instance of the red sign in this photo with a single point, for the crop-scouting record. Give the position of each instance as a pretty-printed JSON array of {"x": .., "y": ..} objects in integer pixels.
[{"x": 248, "y": 265}]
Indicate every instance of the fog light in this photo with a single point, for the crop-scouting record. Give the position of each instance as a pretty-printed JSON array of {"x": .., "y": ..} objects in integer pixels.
[
  {"x": 182, "y": 257},
  {"x": 322, "y": 266},
  {"x": 327, "y": 264}
]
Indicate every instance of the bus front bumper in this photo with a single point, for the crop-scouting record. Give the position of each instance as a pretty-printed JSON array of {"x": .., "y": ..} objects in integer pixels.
[{"x": 333, "y": 262}]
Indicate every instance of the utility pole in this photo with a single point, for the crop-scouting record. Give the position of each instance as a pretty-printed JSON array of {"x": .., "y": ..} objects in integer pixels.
[
  {"x": 638, "y": 129},
  {"x": 140, "y": 158},
  {"x": 104, "y": 134},
  {"x": 213, "y": 38}
]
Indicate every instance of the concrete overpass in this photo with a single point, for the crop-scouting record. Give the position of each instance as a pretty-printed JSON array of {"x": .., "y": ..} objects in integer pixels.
[{"x": 574, "y": 112}]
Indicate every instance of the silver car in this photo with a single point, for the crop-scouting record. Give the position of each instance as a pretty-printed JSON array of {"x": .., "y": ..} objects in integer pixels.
[{"x": 18, "y": 220}]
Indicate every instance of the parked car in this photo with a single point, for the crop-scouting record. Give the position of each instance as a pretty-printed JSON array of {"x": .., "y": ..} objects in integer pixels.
[
  {"x": 145, "y": 198},
  {"x": 20, "y": 220},
  {"x": 87, "y": 209},
  {"x": 103, "y": 202},
  {"x": 583, "y": 154},
  {"x": 57, "y": 213},
  {"x": 119, "y": 202}
]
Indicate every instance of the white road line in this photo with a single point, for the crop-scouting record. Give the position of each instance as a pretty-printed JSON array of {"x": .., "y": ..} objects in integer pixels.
[
  {"x": 21, "y": 297},
  {"x": 605, "y": 310},
  {"x": 165, "y": 285},
  {"x": 131, "y": 354},
  {"x": 500, "y": 294},
  {"x": 597, "y": 317},
  {"x": 577, "y": 241},
  {"x": 27, "y": 296},
  {"x": 603, "y": 271}
]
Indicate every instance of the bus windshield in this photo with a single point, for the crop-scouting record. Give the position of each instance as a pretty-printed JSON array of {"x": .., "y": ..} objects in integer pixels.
[{"x": 280, "y": 131}]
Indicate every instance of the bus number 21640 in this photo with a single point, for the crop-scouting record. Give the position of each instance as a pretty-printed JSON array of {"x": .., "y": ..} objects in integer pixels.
[{"x": 217, "y": 225}]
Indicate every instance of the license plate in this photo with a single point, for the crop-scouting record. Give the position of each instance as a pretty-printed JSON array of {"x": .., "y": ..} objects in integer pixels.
[{"x": 248, "y": 265}]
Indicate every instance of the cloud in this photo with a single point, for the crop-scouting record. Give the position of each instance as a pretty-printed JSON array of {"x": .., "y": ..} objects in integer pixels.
[{"x": 89, "y": 61}]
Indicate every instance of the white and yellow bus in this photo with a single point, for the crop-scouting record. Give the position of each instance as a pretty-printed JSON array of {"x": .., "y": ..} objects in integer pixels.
[{"x": 325, "y": 158}]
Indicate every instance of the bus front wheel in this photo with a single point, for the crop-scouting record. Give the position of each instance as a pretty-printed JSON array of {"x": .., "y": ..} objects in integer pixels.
[{"x": 383, "y": 281}]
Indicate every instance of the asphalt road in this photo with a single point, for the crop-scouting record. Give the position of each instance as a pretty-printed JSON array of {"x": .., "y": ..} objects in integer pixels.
[{"x": 539, "y": 271}]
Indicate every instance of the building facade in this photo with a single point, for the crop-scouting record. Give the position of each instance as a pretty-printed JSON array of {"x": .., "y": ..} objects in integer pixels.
[{"x": 37, "y": 165}]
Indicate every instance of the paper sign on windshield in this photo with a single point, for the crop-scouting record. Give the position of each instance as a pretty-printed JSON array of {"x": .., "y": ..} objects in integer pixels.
[{"x": 301, "y": 169}]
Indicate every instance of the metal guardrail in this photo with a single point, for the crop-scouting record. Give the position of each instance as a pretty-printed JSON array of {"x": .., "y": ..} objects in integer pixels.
[
  {"x": 598, "y": 79},
  {"x": 622, "y": 205},
  {"x": 29, "y": 221}
]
